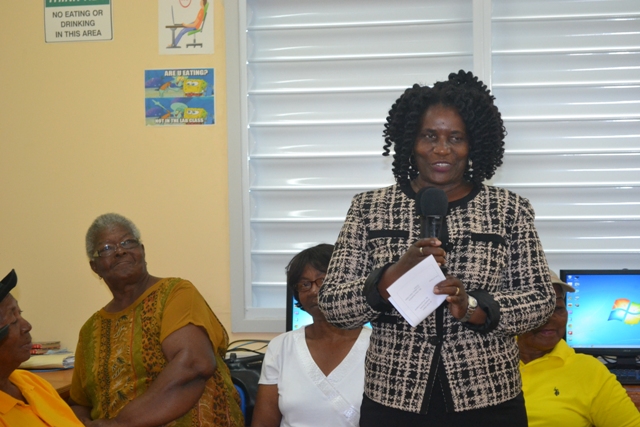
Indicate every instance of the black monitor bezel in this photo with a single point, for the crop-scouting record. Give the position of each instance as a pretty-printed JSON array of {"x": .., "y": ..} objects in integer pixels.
[
  {"x": 290, "y": 306},
  {"x": 623, "y": 355}
]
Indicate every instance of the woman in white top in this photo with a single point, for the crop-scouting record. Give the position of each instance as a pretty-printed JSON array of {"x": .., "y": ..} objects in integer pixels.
[{"x": 312, "y": 376}]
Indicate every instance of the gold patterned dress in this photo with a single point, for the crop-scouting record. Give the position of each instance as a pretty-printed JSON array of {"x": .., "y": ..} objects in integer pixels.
[{"x": 120, "y": 354}]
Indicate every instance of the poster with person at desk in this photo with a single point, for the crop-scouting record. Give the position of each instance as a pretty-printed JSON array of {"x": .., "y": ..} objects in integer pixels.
[
  {"x": 180, "y": 96},
  {"x": 185, "y": 27}
]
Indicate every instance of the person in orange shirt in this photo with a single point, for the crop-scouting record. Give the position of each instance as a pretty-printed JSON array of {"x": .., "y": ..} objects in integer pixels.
[
  {"x": 25, "y": 398},
  {"x": 191, "y": 26}
]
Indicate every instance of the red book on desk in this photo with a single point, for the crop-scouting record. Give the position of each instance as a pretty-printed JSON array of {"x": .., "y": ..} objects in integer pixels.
[{"x": 43, "y": 346}]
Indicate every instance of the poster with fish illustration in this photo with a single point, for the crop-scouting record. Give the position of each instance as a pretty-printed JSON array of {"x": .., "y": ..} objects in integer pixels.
[{"x": 179, "y": 97}]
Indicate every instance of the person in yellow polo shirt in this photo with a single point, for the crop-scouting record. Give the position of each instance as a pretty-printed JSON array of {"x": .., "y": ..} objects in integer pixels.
[
  {"x": 564, "y": 388},
  {"x": 26, "y": 400}
]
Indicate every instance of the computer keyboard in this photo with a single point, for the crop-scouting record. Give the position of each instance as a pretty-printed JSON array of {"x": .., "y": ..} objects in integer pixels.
[{"x": 627, "y": 376}]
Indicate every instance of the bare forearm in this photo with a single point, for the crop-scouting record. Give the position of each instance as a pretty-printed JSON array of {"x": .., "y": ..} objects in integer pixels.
[
  {"x": 153, "y": 409},
  {"x": 165, "y": 400},
  {"x": 266, "y": 412}
]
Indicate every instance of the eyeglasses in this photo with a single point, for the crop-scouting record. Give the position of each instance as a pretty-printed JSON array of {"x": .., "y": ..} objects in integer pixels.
[
  {"x": 307, "y": 284},
  {"x": 109, "y": 249}
]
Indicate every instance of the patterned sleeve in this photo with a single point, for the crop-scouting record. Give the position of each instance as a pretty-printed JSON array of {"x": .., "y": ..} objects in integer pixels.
[
  {"x": 342, "y": 298},
  {"x": 185, "y": 305},
  {"x": 527, "y": 298},
  {"x": 78, "y": 381}
]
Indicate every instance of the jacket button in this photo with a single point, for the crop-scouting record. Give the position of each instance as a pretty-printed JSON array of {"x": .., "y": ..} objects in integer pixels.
[{"x": 433, "y": 340}]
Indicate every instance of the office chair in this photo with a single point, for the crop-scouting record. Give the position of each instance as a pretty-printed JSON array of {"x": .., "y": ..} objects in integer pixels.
[
  {"x": 198, "y": 30},
  {"x": 243, "y": 400},
  {"x": 245, "y": 374}
]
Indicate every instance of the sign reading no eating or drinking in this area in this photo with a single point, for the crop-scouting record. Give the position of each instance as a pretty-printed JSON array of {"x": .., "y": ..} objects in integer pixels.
[{"x": 77, "y": 20}]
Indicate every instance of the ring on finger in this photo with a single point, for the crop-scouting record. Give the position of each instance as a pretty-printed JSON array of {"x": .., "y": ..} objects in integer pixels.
[
  {"x": 457, "y": 292},
  {"x": 422, "y": 253}
]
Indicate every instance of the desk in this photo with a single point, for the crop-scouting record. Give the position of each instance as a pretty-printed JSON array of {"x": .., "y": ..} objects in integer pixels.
[
  {"x": 60, "y": 380},
  {"x": 634, "y": 393},
  {"x": 173, "y": 35}
]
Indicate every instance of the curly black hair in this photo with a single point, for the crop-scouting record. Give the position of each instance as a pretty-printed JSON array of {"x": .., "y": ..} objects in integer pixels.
[
  {"x": 472, "y": 100},
  {"x": 317, "y": 257}
]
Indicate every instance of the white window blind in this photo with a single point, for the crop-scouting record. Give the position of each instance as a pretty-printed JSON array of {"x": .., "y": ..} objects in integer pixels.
[
  {"x": 315, "y": 81},
  {"x": 566, "y": 76}
]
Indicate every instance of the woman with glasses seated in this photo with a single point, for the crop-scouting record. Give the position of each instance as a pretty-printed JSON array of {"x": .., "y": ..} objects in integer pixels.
[
  {"x": 155, "y": 353},
  {"x": 312, "y": 375}
]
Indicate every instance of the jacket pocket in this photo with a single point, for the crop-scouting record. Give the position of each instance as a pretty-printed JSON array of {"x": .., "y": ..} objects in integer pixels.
[
  {"x": 385, "y": 246},
  {"x": 378, "y": 234},
  {"x": 496, "y": 239}
]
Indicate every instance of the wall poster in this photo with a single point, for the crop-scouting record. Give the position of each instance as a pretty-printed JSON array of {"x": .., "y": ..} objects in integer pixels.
[
  {"x": 179, "y": 97},
  {"x": 185, "y": 27},
  {"x": 77, "y": 20}
]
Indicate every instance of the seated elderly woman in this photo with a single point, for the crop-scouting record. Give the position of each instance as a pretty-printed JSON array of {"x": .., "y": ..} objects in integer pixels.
[
  {"x": 564, "y": 388},
  {"x": 154, "y": 354},
  {"x": 25, "y": 398}
]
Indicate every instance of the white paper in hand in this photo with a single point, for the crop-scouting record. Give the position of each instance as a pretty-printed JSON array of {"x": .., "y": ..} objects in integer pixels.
[{"x": 412, "y": 294}]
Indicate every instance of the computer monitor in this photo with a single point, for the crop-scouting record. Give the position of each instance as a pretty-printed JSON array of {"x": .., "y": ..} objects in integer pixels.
[
  {"x": 604, "y": 313},
  {"x": 297, "y": 317}
]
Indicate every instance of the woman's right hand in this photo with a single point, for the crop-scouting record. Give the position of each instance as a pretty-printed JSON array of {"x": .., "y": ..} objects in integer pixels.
[{"x": 414, "y": 255}]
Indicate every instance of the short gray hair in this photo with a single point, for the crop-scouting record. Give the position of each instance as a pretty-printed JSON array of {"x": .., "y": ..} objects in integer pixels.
[{"x": 103, "y": 222}]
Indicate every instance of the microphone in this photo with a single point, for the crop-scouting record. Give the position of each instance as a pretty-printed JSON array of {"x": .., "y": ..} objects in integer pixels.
[{"x": 432, "y": 207}]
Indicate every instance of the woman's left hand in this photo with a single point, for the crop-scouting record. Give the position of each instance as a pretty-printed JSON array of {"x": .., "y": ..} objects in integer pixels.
[{"x": 456, "y": 295}]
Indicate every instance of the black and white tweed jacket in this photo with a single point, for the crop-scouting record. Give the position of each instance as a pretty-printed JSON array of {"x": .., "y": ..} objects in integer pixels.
[{"x": 495, "y": 251}]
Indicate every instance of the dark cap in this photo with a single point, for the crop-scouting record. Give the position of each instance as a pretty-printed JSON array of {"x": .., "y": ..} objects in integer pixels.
[{"x": 8, "y": 283}]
